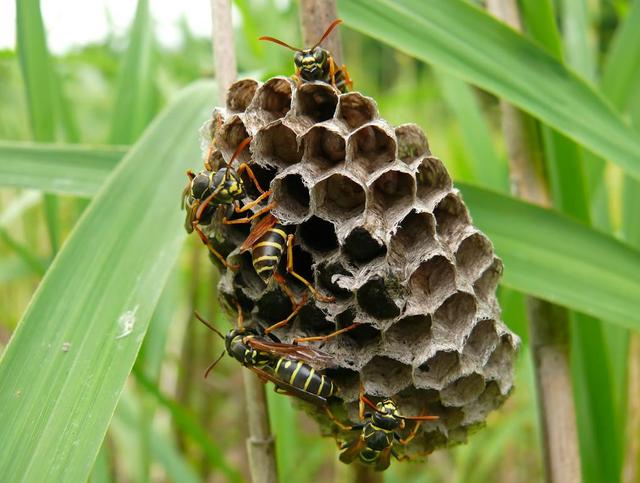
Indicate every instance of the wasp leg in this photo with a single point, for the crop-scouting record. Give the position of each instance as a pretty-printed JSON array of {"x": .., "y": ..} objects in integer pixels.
[
  {"x": 249, "y": 219},
  {"x": 240, "y": 319},
  {"x": 291, "y": 271},
  {"x": 411, "y": 435},
  {"x": 325, "y": 337},
  {"x": 205, "y": 240},
  {"x": 245, "y": 167},
  {"x": 296, "y": 306},
  {"x": 337, "y": 422},
  {"x": 296, "y": 78},
  {"x": 347, "y": 77},
  {"x": 253, "y": 203},
  {"x": 332, "y": 72}
]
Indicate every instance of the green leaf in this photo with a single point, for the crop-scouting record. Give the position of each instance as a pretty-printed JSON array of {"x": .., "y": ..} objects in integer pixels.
[
  {"x": 557, "y": 259},
  {"x": 65, "y": 366},
  {"x": 63, "y": 169},
  {"x": 464, "y": 40},
  {"x": 135, "y": 81}
]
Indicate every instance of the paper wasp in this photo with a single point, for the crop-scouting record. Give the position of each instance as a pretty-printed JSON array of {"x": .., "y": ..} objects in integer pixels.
[
  {"x": 268, "y": 241},
  {"x": 293, "y": 369},
  {"x": 317, "y": 64},
  {"x": 374, "y": 444},
  {"x": 206, "y": 191}
]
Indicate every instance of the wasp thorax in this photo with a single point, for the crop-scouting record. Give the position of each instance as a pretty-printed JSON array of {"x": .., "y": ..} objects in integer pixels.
[
  {"x": 419, "y": 277},
  {"x": 227, "y": 186}
]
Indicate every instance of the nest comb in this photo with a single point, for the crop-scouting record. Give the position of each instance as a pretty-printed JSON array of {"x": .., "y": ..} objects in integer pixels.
[{"x": 380, "y": 227}]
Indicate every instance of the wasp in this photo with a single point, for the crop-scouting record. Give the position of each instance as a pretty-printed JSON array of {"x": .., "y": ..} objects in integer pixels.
[
  {"x": 268, "y": 241},
  {"x": 378, "y": 433},
  {"x": 317, "y": 64},
  {"x": 211, "y": 189},
  {"x": 294, "y": 369}
]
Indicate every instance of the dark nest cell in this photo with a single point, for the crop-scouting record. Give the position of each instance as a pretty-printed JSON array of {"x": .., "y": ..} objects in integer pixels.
[
  {"x": 374, "y": 298},
  {"x": 317, "y": 101},
  {"x": 292, "y": 195},
  {"x": 326, "y": 272},
  {"x": 274, "y": 97},
  {"x": 361, "y": 247},
  {"x": 323, "y": 147},
  {"x": 277, "y": 145},
  {"x": 240, "y": 94},
  {"x": 339, "y": 197},
  {"x": 318, "y": 235},
  {"x": 356, "y": 110},
  {"x": 412, "y": 143},
  {"x": 372, "y": 147},
  {"x": 393, "y": 190},
  {"x": 264, "y": 175}
]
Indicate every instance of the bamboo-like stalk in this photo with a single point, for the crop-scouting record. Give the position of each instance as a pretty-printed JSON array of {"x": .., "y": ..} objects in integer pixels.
[
  {"x": 260, "y": 444},
  {"x": 631, "y": 469},
  {"x": 549, "y": 324},
  {"x": 315, "y": 17}
]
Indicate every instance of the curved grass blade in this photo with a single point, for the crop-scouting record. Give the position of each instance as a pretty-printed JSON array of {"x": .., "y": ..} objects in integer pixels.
[
  {"x": 464, "y": 40},
  {"x": 64, "y": 369}
]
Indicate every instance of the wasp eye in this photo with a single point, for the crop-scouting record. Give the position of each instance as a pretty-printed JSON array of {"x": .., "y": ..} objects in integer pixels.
[
  {"x": 298, "y": 58},
  {"x": 318, "y": 54}
]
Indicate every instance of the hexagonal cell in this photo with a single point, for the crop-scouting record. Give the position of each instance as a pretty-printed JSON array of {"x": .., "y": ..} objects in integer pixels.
[
  {"x": 278, "y": 145},
  {"x": 499, "y": 367},
  {"x": 438, "y": 371},
  {"x": 240, "y": 94},
  {"x": 264, "y": 175},
  {"x": 292, "y": 195},
  {"x": 393, "y": 191},
  {"x": 361, "y": 247},
  {"x": 326, "y": 273},
  {"x": 376, "y": 300},
  {"x": 371, "y": 147},
  {"x": 412, "y": 143},
  {"x": 347, "y": 382},
  {"x": 363, "y": 336},
  {"x": 463, "y": 391},
  {"x": 355, "y": 110},
  {"x": 481, "y": 342},
  {"x": 323, "y": 147},
  {"x": 432, "y": 283},
  {"x": 274, "y": 98},
  {"x": 383, "y": 376},
  {"x": 231, "y": 134},
  {"x": 451, "y": 217},
  {"x": 319, "y": 235},
  {"x": 316, "y": 101},
  {"x": 312, "y": 321},
  {"x": 273, "y": 307},
  {"x": 454, "y": 318},
  {"x": 485, "y": 286},
  {"x": 432, "y": 180},
  {"x": 408, "y": 337},
  {"x": 474, "y": 255},
  {"x": 414, "y": 231},
  {"x": 339, "y": 198},
  {"x": 490, "y": 399}
]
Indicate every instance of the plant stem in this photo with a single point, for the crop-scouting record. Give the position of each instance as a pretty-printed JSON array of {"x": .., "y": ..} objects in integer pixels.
[
  {"x": 315, "y": 17},
  {"x": 260, "y": 444},
  {"x": 549, "y": 324},
  {"x": 631, "y": 471}
]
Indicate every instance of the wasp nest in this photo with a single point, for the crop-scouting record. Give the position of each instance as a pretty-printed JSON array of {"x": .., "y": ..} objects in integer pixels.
[{"x": 379, "y": 227}]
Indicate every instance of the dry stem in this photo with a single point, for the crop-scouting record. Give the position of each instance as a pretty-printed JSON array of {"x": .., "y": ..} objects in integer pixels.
[
  {"x": 260, "y": 444},
  {"x": 549, "y": 324},
  {"x": 315, "y": 17}
]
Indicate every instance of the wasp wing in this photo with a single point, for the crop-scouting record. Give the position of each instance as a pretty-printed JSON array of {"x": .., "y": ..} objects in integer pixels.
[
  {"x": 384, "y": 459},
  {"x": 352, "y": 450},
  {"x": 314, "y": 357},
  {"x": 257, "y": 231}
]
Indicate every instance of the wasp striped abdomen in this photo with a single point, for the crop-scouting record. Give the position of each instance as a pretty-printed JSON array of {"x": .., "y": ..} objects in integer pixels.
[
  {"x": 302, "y": 376},
  {"x": 268, "y": 250}
]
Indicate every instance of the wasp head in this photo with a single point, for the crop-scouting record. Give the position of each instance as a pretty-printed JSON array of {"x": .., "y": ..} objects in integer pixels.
[
  {"x": 312, "y": 63},
  {"x": 386, "y": 416}
]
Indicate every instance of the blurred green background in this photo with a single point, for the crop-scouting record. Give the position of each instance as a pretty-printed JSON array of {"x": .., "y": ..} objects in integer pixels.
[{"x": 170, "y": 423}]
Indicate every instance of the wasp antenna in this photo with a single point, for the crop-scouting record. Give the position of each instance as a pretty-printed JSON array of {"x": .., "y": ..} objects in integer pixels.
[
  {"x": 369, "y": 403},
  {"x": 241, "y": 147},
  {"x": 330, "y": 28},
  {"x": 213, "y": 364},
  {"x": 206, "y": 322},
  {"x": 280, "y": 42},
  {"x": 420, "y": 418}
]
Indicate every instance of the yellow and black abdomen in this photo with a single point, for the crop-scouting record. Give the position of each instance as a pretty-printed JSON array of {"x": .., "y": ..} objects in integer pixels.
[
  {"x": 268, "y": 250},
  {"x": 304, "y": 377}
]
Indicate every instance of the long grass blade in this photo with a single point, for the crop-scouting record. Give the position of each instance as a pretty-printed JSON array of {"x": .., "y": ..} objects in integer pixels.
[{"x": 65, "y": 367}]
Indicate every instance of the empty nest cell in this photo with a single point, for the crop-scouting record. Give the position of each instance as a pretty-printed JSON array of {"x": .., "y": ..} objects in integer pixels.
[
  {"x": 454, "y": 318},
  {"x": 361, "y": 247},
  {"x": 432, "y": 180},
  {"x": 273, "y": 99},
  {"x": 323, "y": 147},
  {"x": 293, "y": 197},
  {"x": 316, "y": 101},
  {"x": 438, "y": 371},
  {"x": 481, "y": 342},
  {"x": 393, "y": 191},
  {"x": 463, "y": 390},
  {"x": 231, "y": 134},
  {"x": 415, "y": 235},
  {"x": 432, "y": 283},
  {"x": 451, "y": 217},
  {"x": 485, "y": 286},
  {"x": 383, "y": 376},
  {"x": 474, "y": 255},
  {"x": 241, "y": 94},
  {"x": 318, "y": 235},
  {"x": 408, "y": 338},
  {"x": 412, "y": 143},
  {"x": 372, "y": 148},
  {"x": 339, "y": 198},
  {"x": 277, "y": 144},
  {"x": 376, "y": 299},
  {"x": 355, "y": 110}
]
